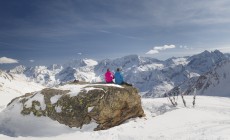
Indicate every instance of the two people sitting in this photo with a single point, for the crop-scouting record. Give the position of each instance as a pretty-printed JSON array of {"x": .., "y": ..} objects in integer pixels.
[{"x": 109, "y": 76}]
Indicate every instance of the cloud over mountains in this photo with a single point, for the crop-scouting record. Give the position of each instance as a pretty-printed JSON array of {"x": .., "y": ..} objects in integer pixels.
[
  {"x": 157, "y": 49},
  {"x": 5, "y": 60}
]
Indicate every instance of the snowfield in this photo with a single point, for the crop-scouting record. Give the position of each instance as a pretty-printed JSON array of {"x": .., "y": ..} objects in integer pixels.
[
  {"x": 208, "y": 120},
  {"x": 13, "y": 86}
]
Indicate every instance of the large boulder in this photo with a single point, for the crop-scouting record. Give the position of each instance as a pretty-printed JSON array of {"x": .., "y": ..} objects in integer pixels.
[{"x": 75, "y": 105}]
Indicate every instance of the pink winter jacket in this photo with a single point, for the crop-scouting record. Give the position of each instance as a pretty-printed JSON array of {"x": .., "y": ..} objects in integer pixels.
[{"x": 109, "y": 77}]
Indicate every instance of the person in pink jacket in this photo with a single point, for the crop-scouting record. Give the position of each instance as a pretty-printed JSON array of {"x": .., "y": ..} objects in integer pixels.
[{"x": 109, "y": 76}]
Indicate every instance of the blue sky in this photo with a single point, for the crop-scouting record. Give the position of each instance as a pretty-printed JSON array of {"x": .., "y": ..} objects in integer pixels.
[{"x": 55, "y": 31}]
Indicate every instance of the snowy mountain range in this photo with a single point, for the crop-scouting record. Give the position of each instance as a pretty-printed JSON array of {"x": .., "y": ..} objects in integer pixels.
[
  {"x": 215, "y": 82},
  {"x": 206, "y": 73},
  {"x": 151, "y": 76}
]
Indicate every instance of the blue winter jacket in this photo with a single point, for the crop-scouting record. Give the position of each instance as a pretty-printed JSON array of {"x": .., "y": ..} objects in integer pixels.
[{"x": 118, "y": 78}]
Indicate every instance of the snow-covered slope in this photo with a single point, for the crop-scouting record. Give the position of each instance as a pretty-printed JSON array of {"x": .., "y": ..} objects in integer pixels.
[
  {"x": 215, "y": 83},
  {"x": 82, "y": 70},
  {"x": 154, "y": 77},
  {"x": 39, "y": 74},
  {"x": 227, "y": 55},
  {"x": 12, "y": 85},
  {"x": 209, "y": 119}
]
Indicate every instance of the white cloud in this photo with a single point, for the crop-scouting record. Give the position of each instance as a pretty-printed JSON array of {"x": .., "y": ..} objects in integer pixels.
[
  {"x": 31, "y": 60},
  {"x": 152, "y": 52},
  {"x": 157, "y": 49},
  {"x": 164, "y": 47},
  {"x": 186, "y": 47},
  {"x": 5, "y": 60},
  {"x": 79, "y": 53}
]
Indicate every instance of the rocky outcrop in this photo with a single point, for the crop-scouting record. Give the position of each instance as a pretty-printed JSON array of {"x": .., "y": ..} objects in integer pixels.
[{"x": 107, "y": 105}]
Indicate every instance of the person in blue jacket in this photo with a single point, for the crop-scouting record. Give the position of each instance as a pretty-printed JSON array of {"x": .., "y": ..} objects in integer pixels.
[{"x": 119, "y": 78}]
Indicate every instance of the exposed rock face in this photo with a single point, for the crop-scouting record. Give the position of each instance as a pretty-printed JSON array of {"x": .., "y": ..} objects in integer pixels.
[{"x": 108, "y": 106}]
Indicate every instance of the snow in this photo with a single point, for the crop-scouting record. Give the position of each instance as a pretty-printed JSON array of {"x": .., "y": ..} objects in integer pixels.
[
  {"x": 91, "y": 88},
  {"x": 26, "y": 126},
  {"x": 162, "y": 88},
  {"x": 90, "y": 62},
  {"x": 113, "y": 85},
  {"x": 55, "y": 98},
  {"x": 219, "y": 79},
  {"x": 12, "y": 86},
  {"x": 18, "y": 84},
  {"x": 81, "y": 63},
  {"x": 150, "y": 67},
  {"x": 213, "y": 83},
  {"x": 180, "y": 60},
  {"x": 192, "y": 74},
  {"x": 75, "y": 89},
  {"x": 209, "y": 119},
  {"x": 90, "y": 108},
  {"x": 37, "y": 97},
  {"x": 58, "y": 109}
]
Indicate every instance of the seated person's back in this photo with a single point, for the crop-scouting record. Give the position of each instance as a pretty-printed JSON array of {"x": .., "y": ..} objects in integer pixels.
[
  {"x": 109, "y": 76},
  {"x": 118, "y": 77}
]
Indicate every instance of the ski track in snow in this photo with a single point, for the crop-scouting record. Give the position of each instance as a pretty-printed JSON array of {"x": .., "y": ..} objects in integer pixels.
[{"x": 208, "y": 120}]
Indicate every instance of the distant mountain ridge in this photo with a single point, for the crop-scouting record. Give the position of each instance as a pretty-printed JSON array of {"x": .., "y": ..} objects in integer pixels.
[
  {"x": 151, "y": 76},
  {"x": 212, "y": 83}
]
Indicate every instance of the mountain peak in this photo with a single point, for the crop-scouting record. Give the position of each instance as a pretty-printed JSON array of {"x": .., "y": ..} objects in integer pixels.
[
  {"x": 132, "y": 56},
  {"x": 81, "y": 63},
  {"x": 18, "y": 69},
  {"x": 89, "y": 62},
  {"x": 218, "y": 53},
  {"x": 205, "y": 60},
  {"x": 54, "y": 67},
  {"x": 209, "y": 54}
]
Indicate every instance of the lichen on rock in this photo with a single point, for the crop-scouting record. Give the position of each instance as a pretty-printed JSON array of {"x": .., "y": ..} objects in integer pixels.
[{"x": 107, "y": 105}]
